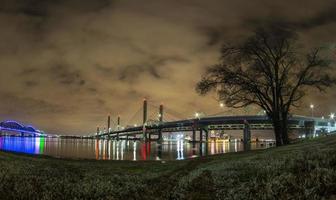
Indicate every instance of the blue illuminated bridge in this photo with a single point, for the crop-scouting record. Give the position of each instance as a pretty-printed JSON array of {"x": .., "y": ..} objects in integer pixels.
[{"x": 15, "y": 128}]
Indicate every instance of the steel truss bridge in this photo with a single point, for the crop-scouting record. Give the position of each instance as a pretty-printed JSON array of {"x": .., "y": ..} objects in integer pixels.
[{"x": 13, "y": 127}]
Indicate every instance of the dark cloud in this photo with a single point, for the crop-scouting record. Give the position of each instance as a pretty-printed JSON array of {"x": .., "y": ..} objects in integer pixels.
[
  {"x": 325, "y": 17},
  {"x": 65, "y": 64},
  {"x": 66, "y": 75},
  {"x": 31, "y": 83}
]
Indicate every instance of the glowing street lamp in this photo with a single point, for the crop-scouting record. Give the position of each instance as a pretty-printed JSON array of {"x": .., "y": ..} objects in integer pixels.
[
  {"x": 197, "y": 115},
  {"x": 312, "y": 109},
  {"x": 332, "y": 115},
  {"x": 221, "y": 105}
]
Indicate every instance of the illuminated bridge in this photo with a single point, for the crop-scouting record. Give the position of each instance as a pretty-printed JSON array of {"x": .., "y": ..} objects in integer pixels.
[
  {"x": 16, "y": 128},
  {"x": 200, "y": 127}
]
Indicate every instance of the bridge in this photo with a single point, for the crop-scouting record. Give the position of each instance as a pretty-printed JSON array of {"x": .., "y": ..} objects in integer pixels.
[
  {"x": 16, "y": 128},
  {"x": 201, "y": 126}
]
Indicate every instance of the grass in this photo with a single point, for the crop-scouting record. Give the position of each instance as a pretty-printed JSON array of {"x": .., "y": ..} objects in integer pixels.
[{"x": 304, "y": 170}]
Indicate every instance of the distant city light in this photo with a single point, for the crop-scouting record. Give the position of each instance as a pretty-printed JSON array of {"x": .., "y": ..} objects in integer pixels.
[
  {"x": 135, "y": 125},
  {"x": 332, "y": 115},
  {"x": 311, "y": 106},
  {"x": 221, "y": 105}
]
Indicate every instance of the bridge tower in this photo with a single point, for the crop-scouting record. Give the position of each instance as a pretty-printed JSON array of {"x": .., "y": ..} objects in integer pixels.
[
  {"x": 144, "y": 119},
  {"x": 160, "y": 120},
  {"x": 118, "y": 123},
  {"x": 97, "y": 134},
  {"x": 108, "y": 125}
]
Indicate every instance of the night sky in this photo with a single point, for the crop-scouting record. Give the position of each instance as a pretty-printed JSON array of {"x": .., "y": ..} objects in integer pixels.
[{"x": 66, "y": 64}]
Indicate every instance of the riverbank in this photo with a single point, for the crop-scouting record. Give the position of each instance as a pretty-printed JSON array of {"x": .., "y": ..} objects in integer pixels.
[{"x": 304, "y": 170}]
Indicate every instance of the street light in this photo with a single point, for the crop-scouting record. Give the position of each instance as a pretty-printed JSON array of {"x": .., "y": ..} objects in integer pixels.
[
  {"x": 332, "y": 115},
  {"x": 221, "y": 105},
  {"x": 197, "y": 115},
  {"x": 312, "y": 110}
]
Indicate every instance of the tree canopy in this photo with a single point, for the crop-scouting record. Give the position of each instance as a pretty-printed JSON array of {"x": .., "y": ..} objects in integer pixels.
[{"x": 270, "y": 70}]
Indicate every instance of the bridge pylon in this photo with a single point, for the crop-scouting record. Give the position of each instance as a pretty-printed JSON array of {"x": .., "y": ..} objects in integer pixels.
[
  {"x": 160, "y": 121},
  {"x": 108, "y": 125},
  {"x": 144, "y": 133}
]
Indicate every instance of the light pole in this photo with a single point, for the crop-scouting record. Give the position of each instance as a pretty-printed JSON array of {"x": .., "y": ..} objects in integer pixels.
[{"x": 312, "y": 110}]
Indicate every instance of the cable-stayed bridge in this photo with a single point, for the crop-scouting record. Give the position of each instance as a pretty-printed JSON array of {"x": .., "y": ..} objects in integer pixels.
[{"x": 165, "y": 120}]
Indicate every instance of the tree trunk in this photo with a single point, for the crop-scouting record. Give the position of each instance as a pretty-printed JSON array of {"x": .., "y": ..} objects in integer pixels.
[
  {"x": 277, "y": 132},
  {"x": 284, "y": 128}
]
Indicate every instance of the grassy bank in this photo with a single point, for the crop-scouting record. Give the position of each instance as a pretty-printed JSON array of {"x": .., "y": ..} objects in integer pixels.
[{"x": 305, "y": 170}]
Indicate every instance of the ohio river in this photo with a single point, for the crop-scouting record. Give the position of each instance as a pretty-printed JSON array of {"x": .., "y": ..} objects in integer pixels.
[{"x": 120, "y": 150}]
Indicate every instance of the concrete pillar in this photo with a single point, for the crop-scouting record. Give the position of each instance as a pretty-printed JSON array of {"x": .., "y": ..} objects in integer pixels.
[
  {"x": 206, "y": 134},
  {"x": 201, "y": 135},
  {"x": 108, "y": 124},
  {"x": 194, "y": 126},
  {"x": 160, "y": 120},
  {"x": 144, "y": 111},
  {"x": 144, "y": 134},
  {"x": 97, "y": 134},
  {"x": 118, "y": 123},
  {"x": 161, "y": 113},
  {"x": 193, "y": 135}
]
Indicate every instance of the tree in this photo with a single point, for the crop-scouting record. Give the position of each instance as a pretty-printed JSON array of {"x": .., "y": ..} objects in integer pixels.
[{"x": 269, "y": 70}]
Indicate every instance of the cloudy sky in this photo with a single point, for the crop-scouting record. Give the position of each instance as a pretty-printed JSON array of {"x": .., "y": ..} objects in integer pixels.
[{"x": 66, "y": 64}]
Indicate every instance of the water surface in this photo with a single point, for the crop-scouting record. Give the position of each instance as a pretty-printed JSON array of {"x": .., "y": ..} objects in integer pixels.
[{"x": 101, "y": 149}]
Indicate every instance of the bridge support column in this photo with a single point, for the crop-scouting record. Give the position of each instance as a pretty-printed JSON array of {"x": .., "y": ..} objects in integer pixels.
[
  {"x": 193, "y": 135},
  {"x": 97, "y": 135},
  {"x": 206, "y": 135},
  {"x": 201, "y": 135},
  {"x": 247, "y": 136}
]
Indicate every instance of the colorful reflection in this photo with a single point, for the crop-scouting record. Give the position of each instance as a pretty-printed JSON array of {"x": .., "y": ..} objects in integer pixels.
[
  {"x": 103, "y": 149},
  {"x": 28, "y": 145}
]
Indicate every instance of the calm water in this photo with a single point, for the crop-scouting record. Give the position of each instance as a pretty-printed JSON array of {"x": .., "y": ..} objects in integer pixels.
[{"x": 119, "y": 150}]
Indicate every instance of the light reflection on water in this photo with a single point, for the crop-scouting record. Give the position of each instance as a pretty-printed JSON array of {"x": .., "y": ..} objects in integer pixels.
[{"x": 120, "y": 150}]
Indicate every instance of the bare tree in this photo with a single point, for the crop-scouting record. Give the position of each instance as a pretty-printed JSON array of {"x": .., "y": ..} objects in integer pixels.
[{"x": 268, "y": 70}]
